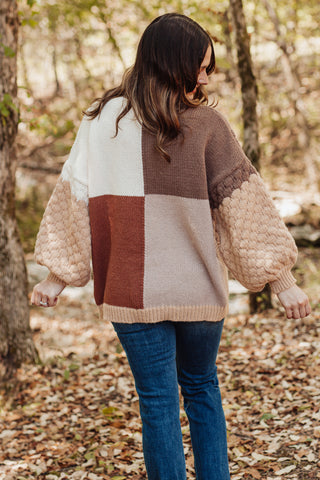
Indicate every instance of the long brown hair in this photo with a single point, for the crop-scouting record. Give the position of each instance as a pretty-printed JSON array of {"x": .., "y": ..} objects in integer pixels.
[{"x": 169, "y": 56}]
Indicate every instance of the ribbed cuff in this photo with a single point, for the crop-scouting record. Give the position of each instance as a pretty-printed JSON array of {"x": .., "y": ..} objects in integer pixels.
[
  {"x": 285, "y": 281},
  {"x": 53, "y": 278}
]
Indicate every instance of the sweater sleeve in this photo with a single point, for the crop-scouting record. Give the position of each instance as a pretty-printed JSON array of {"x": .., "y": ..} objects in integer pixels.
[
  {"x": 253, "y": 240},
  {"x": 63, "y": 243}
]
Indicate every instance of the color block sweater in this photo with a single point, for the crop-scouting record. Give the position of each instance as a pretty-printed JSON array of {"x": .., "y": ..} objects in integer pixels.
[{"x": 162, "y": 235}]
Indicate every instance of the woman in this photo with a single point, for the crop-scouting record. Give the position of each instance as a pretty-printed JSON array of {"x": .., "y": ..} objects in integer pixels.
[{"x": 158, "y": 188}]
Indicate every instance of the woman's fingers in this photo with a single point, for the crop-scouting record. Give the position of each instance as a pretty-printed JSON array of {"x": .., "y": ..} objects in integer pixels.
[
  {"x": 299, "y": 311},
  {"x": 295, "y": 302},
  {"x": 44, "y": 301},
  {"x": 45, "y": 293},
  {"x": 39, "y": 298},
  {"x": 305, "y": 308},
  {"x": 52, "y": 301}
]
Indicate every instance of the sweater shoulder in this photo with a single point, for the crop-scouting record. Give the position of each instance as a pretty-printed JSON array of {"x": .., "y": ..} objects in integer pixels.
[
  {"x": 227, "y": 165},
  {"x": 111, "y": 110},
  {"x": 209, "y": 121},
  {"x": 205, "y": 112}
]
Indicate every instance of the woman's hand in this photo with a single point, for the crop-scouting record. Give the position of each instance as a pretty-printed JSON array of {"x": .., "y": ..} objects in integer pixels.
[
  {"x": 295, "y": 302},
  {"x": 45, "y": 293}
]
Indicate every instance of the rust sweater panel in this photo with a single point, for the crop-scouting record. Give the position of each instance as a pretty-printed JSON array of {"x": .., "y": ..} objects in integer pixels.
[{"x": 162, "y": 235}]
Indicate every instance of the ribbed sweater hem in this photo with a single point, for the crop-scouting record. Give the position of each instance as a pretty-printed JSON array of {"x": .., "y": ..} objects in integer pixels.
[{"x": 184, "y": 313}]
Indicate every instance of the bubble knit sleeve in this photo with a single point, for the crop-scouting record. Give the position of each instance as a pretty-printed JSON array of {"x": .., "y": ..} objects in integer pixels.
[
  {"x": 63, "y": 243},
  {"x": 253, "y": 240}
]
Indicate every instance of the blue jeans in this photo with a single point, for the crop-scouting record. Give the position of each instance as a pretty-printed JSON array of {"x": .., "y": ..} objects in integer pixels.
[{"x": 161, "y": 355}]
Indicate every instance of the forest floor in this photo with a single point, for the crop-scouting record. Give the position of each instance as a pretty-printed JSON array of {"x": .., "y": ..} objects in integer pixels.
[{"x": 75, "y": 415}]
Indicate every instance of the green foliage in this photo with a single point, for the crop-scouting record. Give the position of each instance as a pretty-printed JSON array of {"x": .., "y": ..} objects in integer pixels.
[
  {"x": 67, "y": 372},
  {"x": 91, "y": 41},
  {"x": 30, "y": 21},
  {"x": 266, "y": 416},
  {"x": 28, "y": 16},
  {"x": 8, "y": 51},
  {"x": 49, "y": 125},
  {"x": 29, "y": 211},
  {"x": 7, "y": 105},
  {"x": 111, "y": 412}
]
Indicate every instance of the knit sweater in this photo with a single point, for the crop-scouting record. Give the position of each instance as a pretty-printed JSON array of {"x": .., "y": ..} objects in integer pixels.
[{"x": 161, "y": 235}]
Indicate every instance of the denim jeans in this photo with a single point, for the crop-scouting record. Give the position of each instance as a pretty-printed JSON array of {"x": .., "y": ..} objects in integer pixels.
[{"x": 161, "y": 355}]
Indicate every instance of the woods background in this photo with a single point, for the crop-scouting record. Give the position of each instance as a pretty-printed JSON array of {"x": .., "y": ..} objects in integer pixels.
[
  {"x": 78, "y": 404},
  {"x": 69, "y": 53}
]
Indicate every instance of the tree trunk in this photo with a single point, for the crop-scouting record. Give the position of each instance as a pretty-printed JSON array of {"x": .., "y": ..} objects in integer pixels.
[
  {"x": 24, "y": 67},
  {"x": 262, "y": 300},
  {"x": 294, "y": 84},
  {"x": 226, "y": 25},
  {"x": 16, "y": 343},
  {"x": 115, "y": 45},
  {"x": 55, "y": 69}
]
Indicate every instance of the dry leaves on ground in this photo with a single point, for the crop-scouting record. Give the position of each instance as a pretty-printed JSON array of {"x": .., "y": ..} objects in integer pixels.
[{"x": 76, "y": 415}]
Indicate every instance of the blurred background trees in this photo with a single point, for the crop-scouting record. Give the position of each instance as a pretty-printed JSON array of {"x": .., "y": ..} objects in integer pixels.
[
  {"x": 16, "y": 344},
  {"x": 70, "y": 52}
]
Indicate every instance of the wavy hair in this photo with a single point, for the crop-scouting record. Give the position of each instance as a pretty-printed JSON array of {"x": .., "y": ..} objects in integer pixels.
[{"x": 168, "y": 60}]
